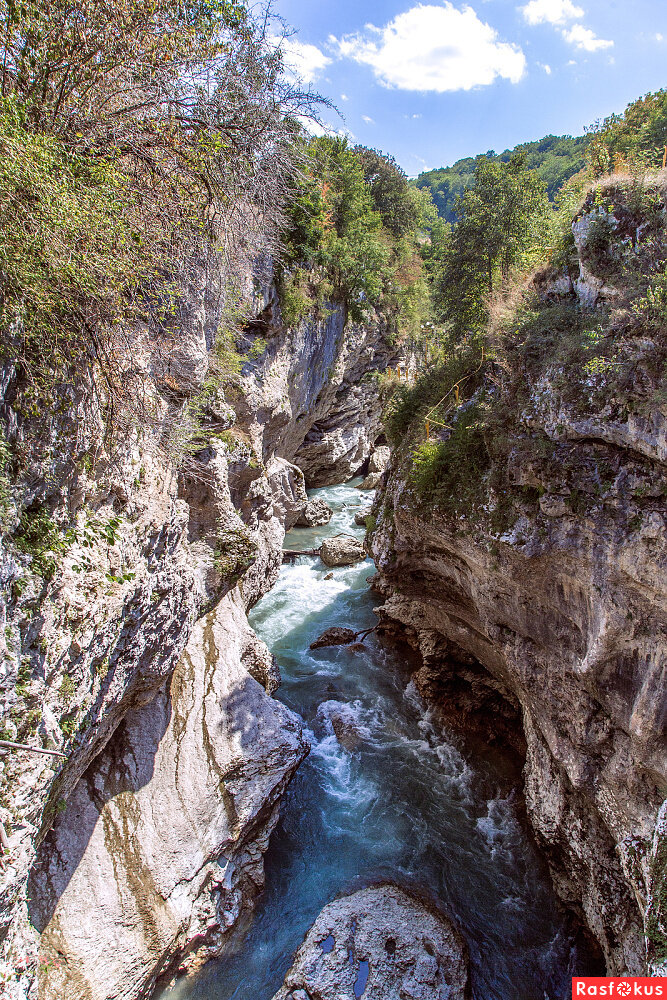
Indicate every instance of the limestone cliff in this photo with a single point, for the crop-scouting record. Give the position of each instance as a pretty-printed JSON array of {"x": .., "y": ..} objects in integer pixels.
[
  {"x": 126, "y": 573},
  {"x": 535, "y": 590}
]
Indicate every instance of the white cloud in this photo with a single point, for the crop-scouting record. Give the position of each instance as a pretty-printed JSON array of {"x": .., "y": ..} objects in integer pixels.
[
  {"x": 344, "y": 97},
  {"x": 546, "y": 67},
  {"x": 551, "y": 11},
  {"x": 369, "y": 121},
  {"x": 302, "y": 61},
  {"x": 433, "y": 48},
  {"x": 585, "y": 39},
  {"x": 659, "y": 37}
]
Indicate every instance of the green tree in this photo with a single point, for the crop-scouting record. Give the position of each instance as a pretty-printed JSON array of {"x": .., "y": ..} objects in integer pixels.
[
  {"x": 639, "y": 135},
  {"x": 499, "y": 220}
]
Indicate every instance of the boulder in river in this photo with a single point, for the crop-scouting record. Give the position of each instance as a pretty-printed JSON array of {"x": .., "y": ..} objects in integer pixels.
[
  {"x": 379, "y": 460},
  {"x": 344, "y": 550},
  {"x": 360, "y": 517},
  {"x": 379, "y": 943},
  {"x": 316, "y": 513},
  {"x": 335, "y": 636},
  {"x": 371, "y": 482}
]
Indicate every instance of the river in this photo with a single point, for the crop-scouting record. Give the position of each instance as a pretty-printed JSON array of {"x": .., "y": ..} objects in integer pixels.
[{"x": 404, "y": 799}]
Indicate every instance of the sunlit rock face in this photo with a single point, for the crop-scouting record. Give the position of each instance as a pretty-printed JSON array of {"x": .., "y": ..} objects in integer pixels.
[
  {"x": 379, "y": 943},
  {"x": 552, "y": 631},
  {"x": 312, "y": 396},
  {"x": 136, "y": 821},
  {"x": 160, "y": 848}
]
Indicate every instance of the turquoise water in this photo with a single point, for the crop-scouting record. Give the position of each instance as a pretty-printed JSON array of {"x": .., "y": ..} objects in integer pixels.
[{"x": 402, "y": 799}]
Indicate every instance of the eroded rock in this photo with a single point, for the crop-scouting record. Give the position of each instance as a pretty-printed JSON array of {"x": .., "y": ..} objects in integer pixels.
[
  {"x": 162, "y": 841},
  {"x": 372, "y": 481},
  {"x": 379, "y": 460},
  {"x": 344, "y": 550},
  {"x": 360, "y": 517},
  {"x": 380, "y": 943},
  {"x": 316, "y": 513},
  {"x": 334, "y": 636}
]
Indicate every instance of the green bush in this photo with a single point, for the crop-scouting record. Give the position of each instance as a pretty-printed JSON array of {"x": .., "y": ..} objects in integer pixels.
[
  {"x": 409, "y": 403},
  {"x": 39, "y": 536},
  {"x": 451, "y": 473}
]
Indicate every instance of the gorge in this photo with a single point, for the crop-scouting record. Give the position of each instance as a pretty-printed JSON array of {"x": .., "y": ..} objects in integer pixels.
[{"x": 458, "y": 433}]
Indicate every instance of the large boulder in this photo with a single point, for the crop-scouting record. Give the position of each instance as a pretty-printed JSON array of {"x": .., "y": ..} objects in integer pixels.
[
  {"x": 314, "y": 514},
  {"x": 380, "y": 943},
  {"x": 344, "y": 550},
  {"x": 371, "y": 482},
  {"x": 379, "y": 460},
  {"x": 334, "y": 636},
  {"x": 360, "y": 516}
]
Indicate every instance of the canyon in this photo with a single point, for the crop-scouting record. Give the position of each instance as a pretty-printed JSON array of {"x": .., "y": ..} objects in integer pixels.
[{"x": 134, "y": 656}]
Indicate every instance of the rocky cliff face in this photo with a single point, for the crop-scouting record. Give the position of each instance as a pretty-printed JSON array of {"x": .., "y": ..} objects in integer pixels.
[
  {"x": 551, "y": 631},
  {"x": 127, "y": 649},
  {"x": 312, "y": 395}
]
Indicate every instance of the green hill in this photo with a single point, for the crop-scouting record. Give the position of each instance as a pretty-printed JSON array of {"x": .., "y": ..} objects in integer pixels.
[{"x": 555, "y": 158}]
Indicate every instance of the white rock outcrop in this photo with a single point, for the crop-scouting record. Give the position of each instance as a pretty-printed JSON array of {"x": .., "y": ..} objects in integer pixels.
[
  {"x": 343, "y": 550},
  {"x": 380, "y": 943}
]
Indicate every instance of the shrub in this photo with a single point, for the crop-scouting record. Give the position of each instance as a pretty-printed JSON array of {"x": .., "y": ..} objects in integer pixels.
[{"x": 451, "y": 472}]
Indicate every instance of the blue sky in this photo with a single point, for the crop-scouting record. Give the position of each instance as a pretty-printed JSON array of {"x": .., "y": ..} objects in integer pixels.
[{"x": 435, "y": 81}]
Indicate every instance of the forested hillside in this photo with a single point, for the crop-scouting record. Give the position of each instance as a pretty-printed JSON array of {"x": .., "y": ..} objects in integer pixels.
[{"x": 554, "y": 158}]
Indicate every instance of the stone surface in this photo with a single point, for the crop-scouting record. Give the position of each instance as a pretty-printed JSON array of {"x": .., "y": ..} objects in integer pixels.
[
  {"x": 380, "y": 943},
  {"x": 316, "y": 513},
  {"x": 372, "y": 481},
  {"x": 156, "y": 548},
  {"x": 360, "y": 517},
  {"x": 379, "y": 459},
  {"x": 163, "y": 844},
  {"x": 306, "y": 398},
  {"x": 334, "y": 636},
  {"x": 344, "y": 550},
  {"x": 551, "y": 632}
]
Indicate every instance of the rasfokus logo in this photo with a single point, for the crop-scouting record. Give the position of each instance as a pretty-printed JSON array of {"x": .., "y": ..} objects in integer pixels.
[{"x": 629, "y": 986}]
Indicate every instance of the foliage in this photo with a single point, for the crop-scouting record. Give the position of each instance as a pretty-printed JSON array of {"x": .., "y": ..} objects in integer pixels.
[
  {"x": 449, "y": 472},
  {"x": 554, "y": 159},
  {"x": 638, "y": 136},
  {"x": 40, "y": 537},
  {"x": 502, "y": 222},
  {"x": 651, "y": 308},
  {"x": 136, "y": 139},
  {"x": 409, "y": 404},
  {"x": 353, "y": 227}
]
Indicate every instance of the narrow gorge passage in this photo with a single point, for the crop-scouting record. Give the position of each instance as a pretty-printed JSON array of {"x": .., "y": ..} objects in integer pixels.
[{"x": 391, "y": 796}]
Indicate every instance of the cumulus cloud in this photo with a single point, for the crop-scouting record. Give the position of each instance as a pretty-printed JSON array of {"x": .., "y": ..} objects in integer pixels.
[
  {"x": 585, "y": 39},
  {"x": 302, "y": 61},
  {"x": 344, "y": 97},
  {"x": 369, "y": 121},
  {"x": 546, "y": 67},
  {"x": 551, "y": 11},
  {"x": 431, "y": 48}
]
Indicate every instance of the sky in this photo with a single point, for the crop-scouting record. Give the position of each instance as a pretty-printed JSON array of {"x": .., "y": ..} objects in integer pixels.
[{"x": 436, "y": 81}]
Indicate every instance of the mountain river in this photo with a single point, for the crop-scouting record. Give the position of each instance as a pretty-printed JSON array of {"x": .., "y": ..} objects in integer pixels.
[{"x": 403, "y": 799}]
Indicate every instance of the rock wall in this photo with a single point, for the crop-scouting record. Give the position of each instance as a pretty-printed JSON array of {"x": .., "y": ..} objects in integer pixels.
[
  {"x": 552, "y": 632},
  {"x": 126, "y": 648},
  {"x": 311, "y": 396}
]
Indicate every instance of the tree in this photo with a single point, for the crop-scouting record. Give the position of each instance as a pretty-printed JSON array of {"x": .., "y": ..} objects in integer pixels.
[
  {"x": 639, "y": 135},
  {"x": 498, "y": 221},
  {"x": 138, "y": 140},
  {"x": 398, "y": 204}
]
